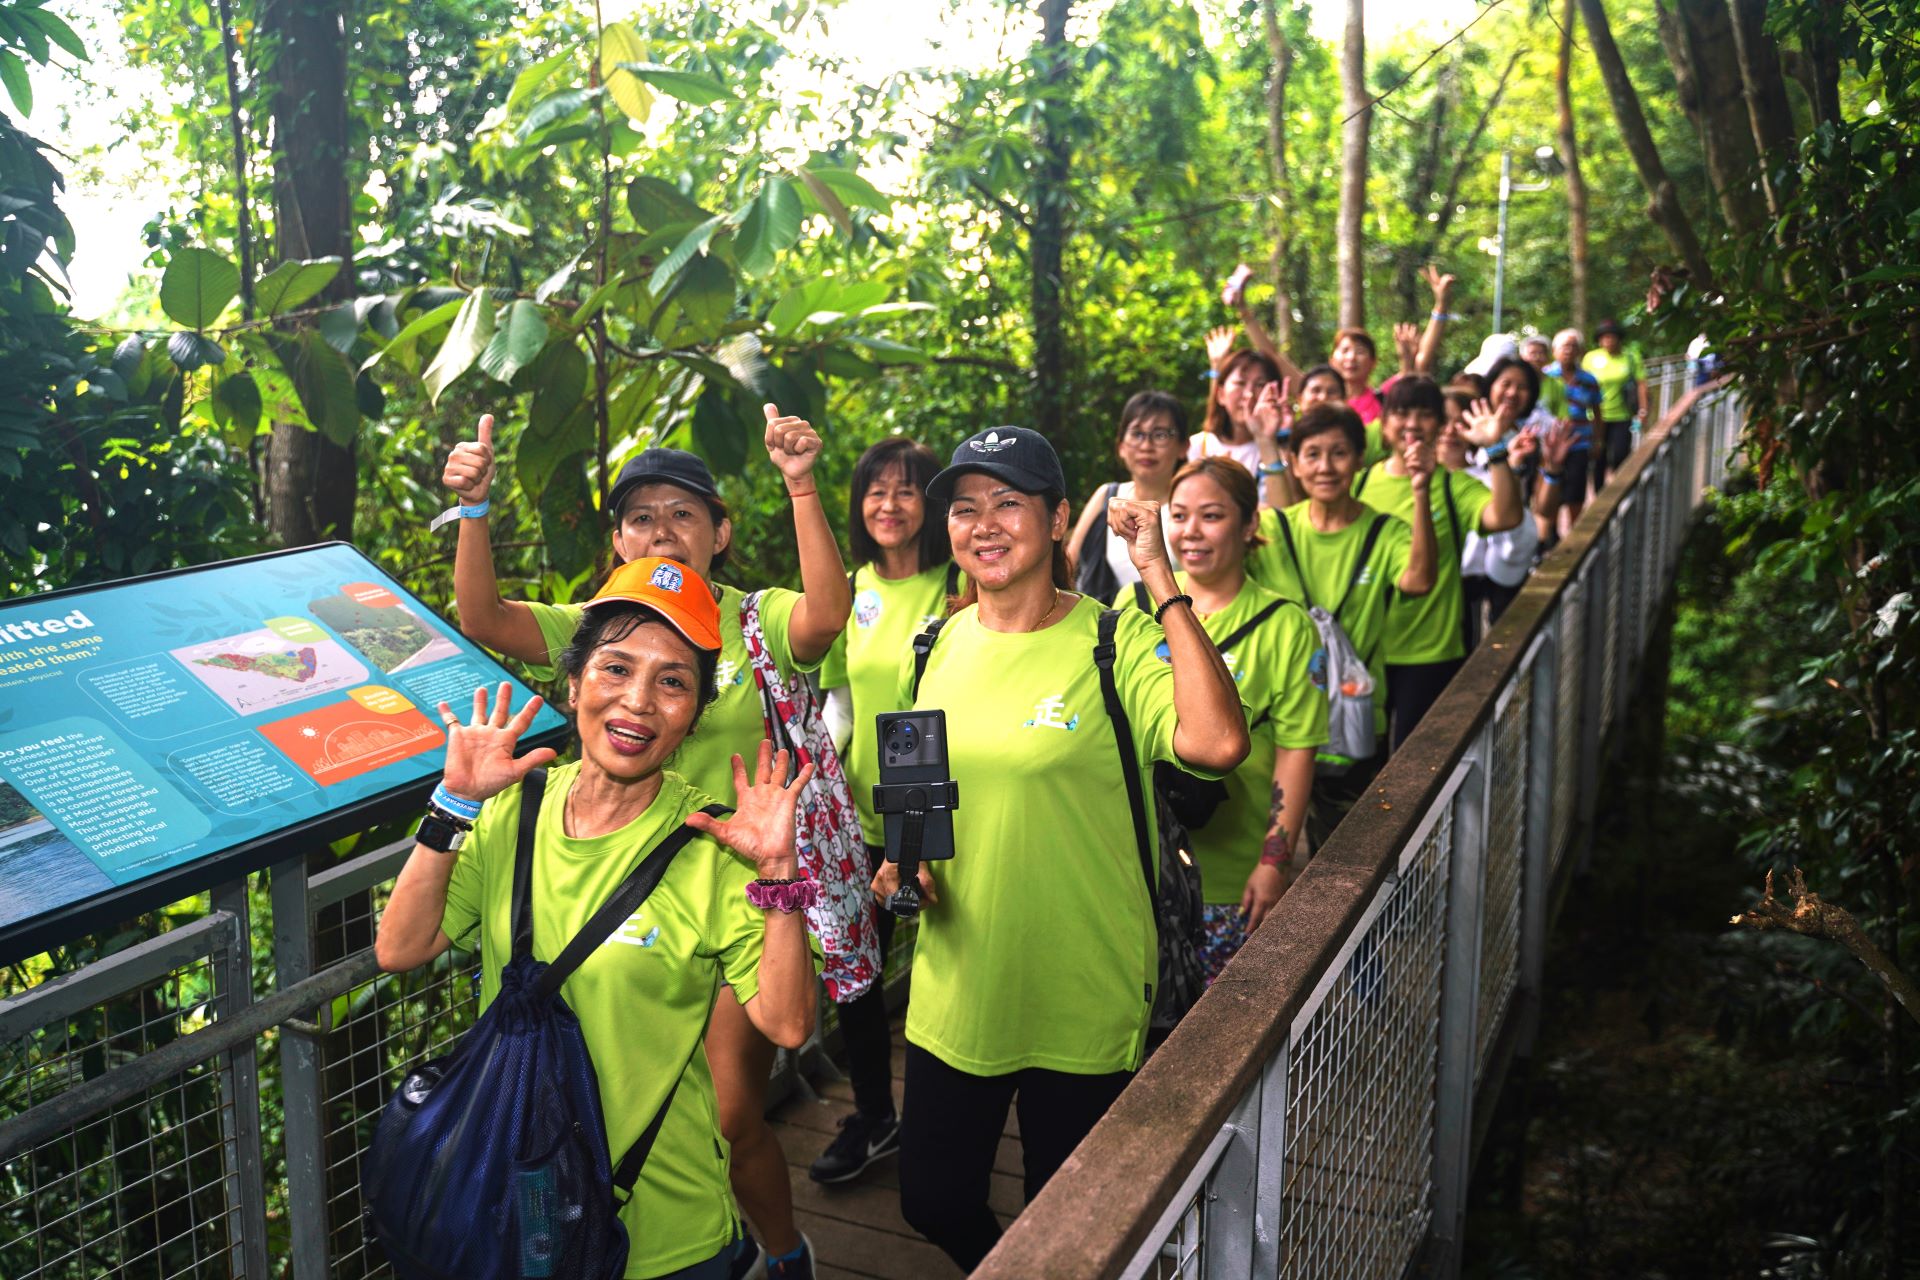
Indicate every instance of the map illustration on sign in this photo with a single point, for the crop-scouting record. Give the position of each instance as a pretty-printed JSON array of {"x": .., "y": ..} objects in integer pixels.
[
  {"x": 263, "y": 670},
  {"x": 372, "y": 620}
]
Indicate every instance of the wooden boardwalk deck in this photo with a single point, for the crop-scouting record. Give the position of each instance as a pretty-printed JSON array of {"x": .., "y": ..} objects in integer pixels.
[{"x": 857, "y": 1230}]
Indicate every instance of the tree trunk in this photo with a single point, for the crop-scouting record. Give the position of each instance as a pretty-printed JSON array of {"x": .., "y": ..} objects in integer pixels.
[
  {"x": 1048, "y": 236},
  {"x": 1282, "y": 252},
  {"x": 1765, "y": 91},
  {"x": 1422, "y": 190},
  {"x": 1353, "y": 169},
  {"x": 1663, "y": 202},
  {"x": 1698, "y": 36},
  {"x": 1576, "y": 183},
  {"x": 311, "y": 481},
  {"x": 1462, "y": 161}
]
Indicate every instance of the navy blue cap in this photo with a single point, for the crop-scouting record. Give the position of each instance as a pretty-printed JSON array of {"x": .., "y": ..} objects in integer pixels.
[
  {"x": 1018, "y": 455},
  {"x": 661, "y": 466}
]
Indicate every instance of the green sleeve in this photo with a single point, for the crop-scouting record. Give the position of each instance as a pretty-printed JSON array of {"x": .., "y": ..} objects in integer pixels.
[
  {"x": 1299, "y": 708},
  {"x": 1636, "y": 366},
  {"x": 466, "y": 888},
  {"x": 1146, "y": 691},
  {"x": 776, "y": 617},
  {"x": 1554, "y": 393},
  {"x": 833, "y": 667},
  {"x": 557, "y": 624},
  {"x": 1396, "y": 549},
  {"x": 1473, "y": 498},
  {"x": 738, "y": 928}
]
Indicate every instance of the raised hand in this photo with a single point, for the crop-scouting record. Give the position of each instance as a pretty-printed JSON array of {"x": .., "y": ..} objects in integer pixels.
[
  {"x": 1137, "y": 522},
  {"x": 761, "y": 828},
  {"x": 469, "y": 470},
  {"x": 1442, "y": 286},
  {"x": 1483, "y": 424},
  {"x": 1417, "y": 455},
  {"x": 1273, "y": 411},
  {"x": 480, "y": 759},
  {"x": 1524, "y": 447},
  {"x": 1234, "y": 292},
  {"x": 792, "y": 443},
  {"x": 1556, "y": 444},
  {"x": 1406, "y": 342},
  {"x": 1219, "y": 346}
]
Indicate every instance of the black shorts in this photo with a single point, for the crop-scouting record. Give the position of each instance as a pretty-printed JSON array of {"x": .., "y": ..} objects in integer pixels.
[{"x": 1574, "y": 476}]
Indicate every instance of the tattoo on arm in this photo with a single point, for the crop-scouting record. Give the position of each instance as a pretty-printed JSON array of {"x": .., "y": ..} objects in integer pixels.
[{"x": 1278, "y": 845}]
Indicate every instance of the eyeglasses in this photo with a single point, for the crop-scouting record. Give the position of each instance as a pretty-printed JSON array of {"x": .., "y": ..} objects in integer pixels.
[{"x": 1159, "y": 435}]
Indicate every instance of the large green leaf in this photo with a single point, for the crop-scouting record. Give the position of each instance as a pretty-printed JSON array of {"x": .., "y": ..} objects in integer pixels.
[
  {"x": 559, "y": 416},
  {"x": 13, "y": 73},
  {"x": 540, "y": 453},
  {"x": 517, "y": 340},
  {"x": 324, "y": 380},
  {"x": 851, "y": 188},
  {"x": 798, "y": 303},
  {"x": 569, "y": 521},
  {"x": 190, "y": 351},
  {"x": 472, "y": 330},
  {"x": 401, "y": 345},
  {"x": 656, "y": 203},
  {"x": 528, "y": 82},
  {"x": 292, "y": 283},
  {"x": 720, "y": 432},
  {"x": 826, "y": 201},
  {"x": 695, "y": 242},
  {"x": 197, "y": 286},
  {"x": 619, "y": 43},
  {"x": 770, "y": 227},
  {"x": 688, "y": 86},
  {"x": 236, "y": 405},
  {"x": 705, "y": 297},
  {"x": 553, "y": 109}
]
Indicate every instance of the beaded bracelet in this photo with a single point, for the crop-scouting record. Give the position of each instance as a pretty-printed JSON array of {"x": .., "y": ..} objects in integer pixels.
[
  {"x": 786, "y": 896},
  {"x": 1168, "y": 603}
]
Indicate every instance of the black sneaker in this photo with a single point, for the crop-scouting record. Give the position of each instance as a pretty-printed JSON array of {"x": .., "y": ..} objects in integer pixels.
[
  {"x": 749, "y": 1261},
  {"x": 863, "y": 1139}
]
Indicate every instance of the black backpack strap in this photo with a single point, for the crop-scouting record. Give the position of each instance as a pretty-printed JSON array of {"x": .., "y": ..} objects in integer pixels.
[
  {"x": 1248, "y": 627},
  {"x": 1453, "y": 512},
  {"x": 1293, "y": 554},
  {"x": 922, "y": 650},
  {"x": 532, "y": 787},
  {"x": 1360, "y": 565},
  {"x": 1104, "y": 652},
  {"x": 953, "y": 578},
  {"x": 1360, "y": 485},
  {"x": 1142, "y": 598},
  {"x": 625, "y": 901}
]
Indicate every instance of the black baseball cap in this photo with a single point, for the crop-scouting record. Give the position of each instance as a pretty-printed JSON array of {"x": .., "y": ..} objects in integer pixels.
[
  {"x": 1610, "y": 327},
  {"x": 1021, "y": 457},
  {"x": 661, "y": 466}
]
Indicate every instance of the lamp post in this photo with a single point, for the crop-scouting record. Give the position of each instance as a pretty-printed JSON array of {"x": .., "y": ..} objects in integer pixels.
[{"x": 1544, "y": 159}]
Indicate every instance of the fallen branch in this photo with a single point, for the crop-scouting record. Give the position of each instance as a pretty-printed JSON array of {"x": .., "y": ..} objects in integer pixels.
[{"x": 1817, "y": 919}]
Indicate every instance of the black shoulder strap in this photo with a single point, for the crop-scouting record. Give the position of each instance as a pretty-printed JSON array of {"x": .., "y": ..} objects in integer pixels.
[
  {"x": 1248, "y": 627},
  {"x": 1293, "y": 554},
  {"x": 1106, "y": 504},
  {"x": 1453, "y": 512},
  {"x": 1360, "y": 565},
  {"x": 1143, "y": 598},
  {"x": 953, "y": 577},
  {"x": 851, "y": 577},
  {"x": 532, "y": 787},
  {"x": 922, "y": 650},
  {"x": 625, "y": 901},
  {"x": 1360, "y": 485},
  {"x": 1103, "y": 656}
]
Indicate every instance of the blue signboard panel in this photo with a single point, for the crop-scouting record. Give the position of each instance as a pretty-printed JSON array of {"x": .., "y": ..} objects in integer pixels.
[{"x": 162, "y": 733}]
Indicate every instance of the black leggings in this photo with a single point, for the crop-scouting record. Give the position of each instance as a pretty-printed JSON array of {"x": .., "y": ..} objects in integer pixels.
[
  {"x": 1612, "y": 443},
  {"x": 865, "y": 1027},
  {"x": 1413, "y": 687},
  {"x": 951, "y": 1130}
]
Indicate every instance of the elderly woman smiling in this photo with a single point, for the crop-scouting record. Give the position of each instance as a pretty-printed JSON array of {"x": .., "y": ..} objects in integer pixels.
[{"x": 639, "y": 672}]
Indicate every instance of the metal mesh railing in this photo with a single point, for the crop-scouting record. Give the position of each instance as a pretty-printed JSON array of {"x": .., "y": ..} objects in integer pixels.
[
  {"x": 1571, "y": 644},
  {"x": 1359, "y": 1118},
  {"x": 1506, "y": 841}
]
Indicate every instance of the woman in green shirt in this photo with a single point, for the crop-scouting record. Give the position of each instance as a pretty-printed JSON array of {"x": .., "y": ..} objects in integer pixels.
[
  {"x": 1251, "y": 849},
  {"x": 903, "y": 573},
  {"x": 640, "y": 672},
  {"x": 1036, "y": 961},
  {"x": 1623, "y": 397},
  {"x": 665, "y": 503}
]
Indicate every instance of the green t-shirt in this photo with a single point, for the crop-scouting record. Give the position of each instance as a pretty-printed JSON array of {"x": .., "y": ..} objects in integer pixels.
[
  {"x": 1042, "y": 951},
  {"x": 1429, "y": 628},
  {"x": 643, "y": 997},
  {"x": 887, "y": 614},
  {"x": 1329, "y": 561},
  {"x": 1613, "y": 373},
  {"x": 736, "y": 722},
  {"x": 1376, "y": 444},
  {"x": 1281, "y": 671}
]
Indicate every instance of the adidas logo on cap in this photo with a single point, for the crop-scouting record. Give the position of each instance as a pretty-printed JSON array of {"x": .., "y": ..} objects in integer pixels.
[{"x": 992, "y": 444}]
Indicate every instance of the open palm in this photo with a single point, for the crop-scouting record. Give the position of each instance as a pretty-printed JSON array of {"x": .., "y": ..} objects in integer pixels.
[
  {"x": 761, "y": 828},
  {"x": 480, "y": 759}
]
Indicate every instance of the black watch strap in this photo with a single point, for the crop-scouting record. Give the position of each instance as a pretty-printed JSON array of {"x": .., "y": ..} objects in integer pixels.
[{"x": 439, "y": 835}]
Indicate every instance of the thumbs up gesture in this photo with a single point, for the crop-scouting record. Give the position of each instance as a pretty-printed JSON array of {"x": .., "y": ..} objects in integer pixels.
[
  {"x": 793, "y": 445},
  {"x": 469, "y": 471}
]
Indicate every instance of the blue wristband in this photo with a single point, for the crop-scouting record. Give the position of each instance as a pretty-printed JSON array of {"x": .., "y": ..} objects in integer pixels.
[
  {"x": 1496, "y": 452},
  {"x": 1273, "y": 468},
  {"x": 1549, "y": 477},
  {"x": 458, "y": 806},
  {"x": 475, "y": 512}
]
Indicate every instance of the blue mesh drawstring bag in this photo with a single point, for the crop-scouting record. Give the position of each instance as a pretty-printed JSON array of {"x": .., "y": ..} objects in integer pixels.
[{"x": 491, "y": 1163}]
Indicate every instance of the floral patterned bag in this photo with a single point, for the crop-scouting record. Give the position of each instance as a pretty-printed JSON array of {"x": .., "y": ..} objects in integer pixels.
[{"x": 826, "y": 824}]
